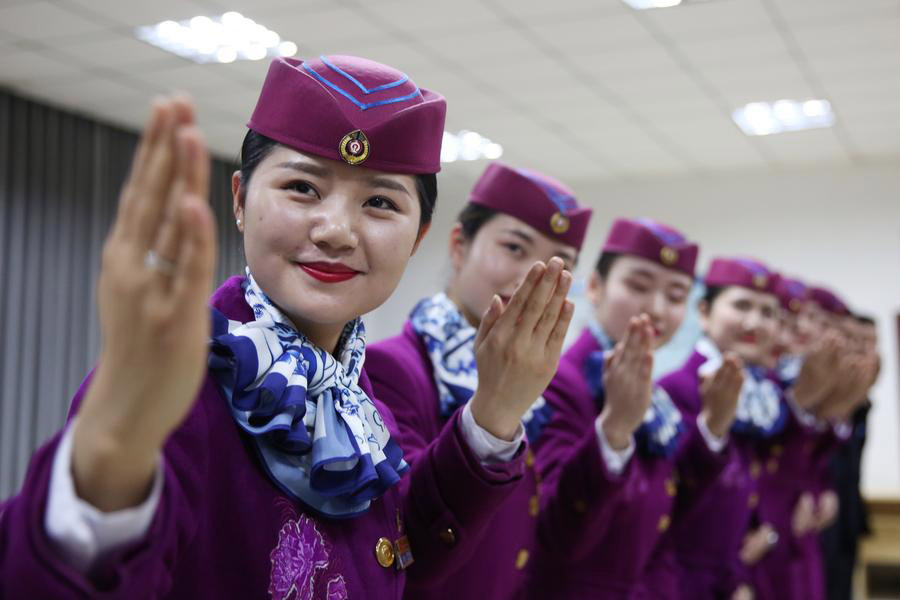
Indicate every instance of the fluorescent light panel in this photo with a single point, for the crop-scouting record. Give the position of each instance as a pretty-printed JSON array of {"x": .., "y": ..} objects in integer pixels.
[
  {"x": 221, "y": 39},
  {"x": 766, "y": 118},
  {"x": 468, "y": 145},
  {"x": 646, "y": 4}
]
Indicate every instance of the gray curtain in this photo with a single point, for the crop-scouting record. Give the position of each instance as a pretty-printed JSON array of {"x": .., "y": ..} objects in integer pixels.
[{"x": 59, "y": 180}]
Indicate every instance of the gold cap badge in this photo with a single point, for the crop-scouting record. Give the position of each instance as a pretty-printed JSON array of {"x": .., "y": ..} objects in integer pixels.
[
  {"x": 355, "y": 147},
  {"x": 559, "y": 223}
]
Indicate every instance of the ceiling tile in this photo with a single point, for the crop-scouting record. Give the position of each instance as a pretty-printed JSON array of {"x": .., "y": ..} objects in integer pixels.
[
  {"x": 41, "y": 20},
  {"x": 589, "y": 36},
  {"x": 21, "y": 65},
  {"x": 116, "y": 50},
  {"x": 805, "y": 147},
  {"x": 716, "y": 19},
  {"x": 495, "y": 48},
  {"x": 131, "y": 14},
  {"x": 541, "y": 11}
]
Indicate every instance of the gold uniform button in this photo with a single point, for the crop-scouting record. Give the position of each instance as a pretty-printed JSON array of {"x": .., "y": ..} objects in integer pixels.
[
  {"x": 753, "y": 500},
  {"x": 580, "y": 506},
  {"x": 755, "y": 469},
  {"x": 772, "y": 465},
  {"x": 664, "y": 522},
  {"x": 777, "y": 449},
  {"x": 534, "y": 506},
  {"x": 448, "y": 536},
  {"x": 384, "y": 552},
  {"x": 521, "y": 559},
  {"x": 529, "y": 458},
  {"x": 671, "y": 487}
]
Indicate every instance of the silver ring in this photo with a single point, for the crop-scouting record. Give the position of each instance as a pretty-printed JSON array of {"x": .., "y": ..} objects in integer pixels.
[
  {"x": 772, "y": 538},
  {"x": 154, "y": 261}
]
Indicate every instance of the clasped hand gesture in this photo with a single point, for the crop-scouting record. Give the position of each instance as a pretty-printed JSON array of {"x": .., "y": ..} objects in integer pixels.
[
  {"x": 517, "y": 348},
  {"x": 628, "y": 383},
  {"x": 155, "y": 281},
  {"x": 720, "y": 393}
]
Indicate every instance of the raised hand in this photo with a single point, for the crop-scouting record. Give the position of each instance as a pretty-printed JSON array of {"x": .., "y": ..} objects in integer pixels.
[
  {"x": 856, "y": 376},
  {"x": 819, "y": 372},
  {"x": 803, "y": 520},
  {"x": 156, "y": 277},
  {"x": 826, "y": 510},
  {"x": 518, "y": 346},
  {"x": 720, "y": 393},
  {"x": 628, "y": 383},
  {"x": 757, "y": 543}
]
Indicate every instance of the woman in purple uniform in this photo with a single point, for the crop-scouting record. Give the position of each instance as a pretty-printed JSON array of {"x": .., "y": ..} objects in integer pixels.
[
  {"x": 245, "y": 455},
  {"x": 619, "y": 454},
  {"x": 428, "y": 374},
  {"x": 796, "y": 494}
]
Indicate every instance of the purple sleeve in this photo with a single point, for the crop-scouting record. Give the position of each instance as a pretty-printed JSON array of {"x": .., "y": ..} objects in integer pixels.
[
  {"x": 143, "y": 569},
  {"x": 449, "y": 496},
  {"x": 578, "y": 493}
]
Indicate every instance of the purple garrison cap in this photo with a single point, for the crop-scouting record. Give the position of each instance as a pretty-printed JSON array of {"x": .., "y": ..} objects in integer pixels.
[
  {"x": 744, "y": 272},
  {"x": 654, "y": 241},
  {"x": 352, "y": 109},
  {"x": 828, "y": 301},
  {"x": 792, "y": 293},
  {"x": 538, "y": 200}
]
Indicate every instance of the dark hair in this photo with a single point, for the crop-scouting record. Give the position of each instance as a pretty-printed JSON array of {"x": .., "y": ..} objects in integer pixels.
[
  {"x": 473, "y": 217},
  {"x": 256, "y": 147},
  {"x": 605, "y": 263},
  {"x": 864, "y": 319},
  {"x": 711, "y": 293}
]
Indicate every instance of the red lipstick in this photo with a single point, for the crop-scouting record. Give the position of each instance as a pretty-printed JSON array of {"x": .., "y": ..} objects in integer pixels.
[{"x": 328, "y": 272}]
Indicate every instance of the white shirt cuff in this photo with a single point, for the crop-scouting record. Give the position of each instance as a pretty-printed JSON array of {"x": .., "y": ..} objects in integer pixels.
[
  {"x": 805, "y": 417},
  {"x": 713, "y": 442},
  {"x": 487, "y": 447},
  {"x": 616, "y": 460},
  {"x": 81, "y": 532}
]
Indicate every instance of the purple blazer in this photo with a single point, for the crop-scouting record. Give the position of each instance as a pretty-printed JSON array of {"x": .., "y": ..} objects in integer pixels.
[
  {"x": 602, "y": 534},
  {"x": 796, "y": 461},
  {"x": 224, "y": 530},
  {"x": 709, "y": 531},
  {"x": 402, "y": 376}
]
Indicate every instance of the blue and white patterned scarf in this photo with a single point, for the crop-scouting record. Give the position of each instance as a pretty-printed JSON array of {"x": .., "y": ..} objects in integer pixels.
[
  {"x": 319, "y": 436},
  {"x": 660, "y": 432},
  {"x": 450, "y": 342},
  {"x": 788, "y": 369},
  {"x": 760, "y": 410}
]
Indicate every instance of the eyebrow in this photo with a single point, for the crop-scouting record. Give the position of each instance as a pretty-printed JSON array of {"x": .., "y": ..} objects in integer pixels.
[
  {"x": 520, "y": 234},
  {"x": 305, "y": 167},
  {"x": 389, "y": 184}
]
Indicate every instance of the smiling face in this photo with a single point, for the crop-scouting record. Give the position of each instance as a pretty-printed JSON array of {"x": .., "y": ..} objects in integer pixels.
[
  {"x": 742, "y": 321},
  {"x": 326, "y": 241},
  {"x": 496, "y": 261},
  {"x": 636, "y": 285}
]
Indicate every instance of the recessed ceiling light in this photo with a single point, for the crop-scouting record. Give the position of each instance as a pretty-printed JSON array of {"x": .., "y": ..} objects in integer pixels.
[
  {"x": 646, "y": 4},
  {"x": 468, "y": 145},
  {"x": 222, "y": 39},
  {"x": 765, "y": 118}
]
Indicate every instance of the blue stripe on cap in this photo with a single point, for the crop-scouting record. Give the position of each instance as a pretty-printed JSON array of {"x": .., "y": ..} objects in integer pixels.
[
  {"x": 667, "y": 236},
  {"x": 361, "y": 105},
  {"x": 564, "y": 202},
  {"x": 364, "y": 89}
]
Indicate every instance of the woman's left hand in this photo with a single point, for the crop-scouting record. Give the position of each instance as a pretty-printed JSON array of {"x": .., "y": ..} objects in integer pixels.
[{"x": 518, "y": 346}]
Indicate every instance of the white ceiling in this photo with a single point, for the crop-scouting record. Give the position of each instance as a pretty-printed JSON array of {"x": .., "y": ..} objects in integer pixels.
[{"x": 579, "y": 88}]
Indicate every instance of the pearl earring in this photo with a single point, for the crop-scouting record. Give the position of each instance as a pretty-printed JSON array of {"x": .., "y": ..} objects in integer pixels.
[{"x": 238, "y": 222}]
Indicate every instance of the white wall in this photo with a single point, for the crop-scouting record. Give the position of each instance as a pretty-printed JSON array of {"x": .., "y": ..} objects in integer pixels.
[{"x": 839, "y": 227}]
